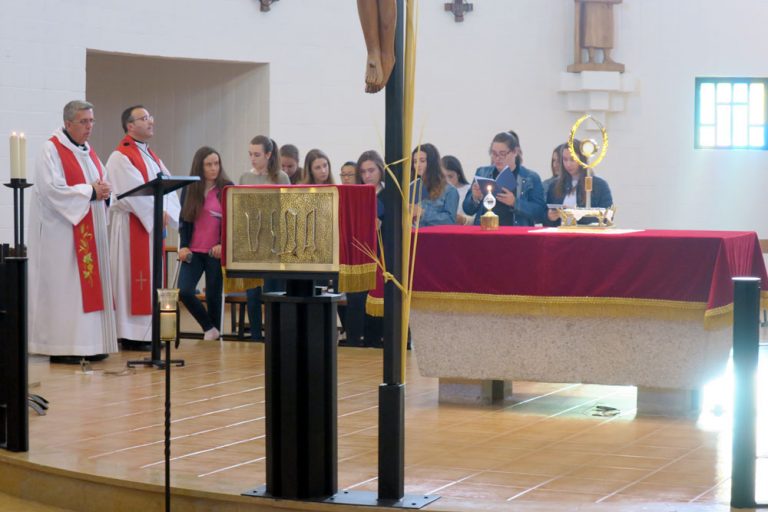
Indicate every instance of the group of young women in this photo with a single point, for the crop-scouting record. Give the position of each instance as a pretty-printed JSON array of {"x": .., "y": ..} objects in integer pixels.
[{"x": 441, "y": 192}]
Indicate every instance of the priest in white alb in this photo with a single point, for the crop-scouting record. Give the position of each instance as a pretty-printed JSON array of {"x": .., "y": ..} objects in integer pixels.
[
  {"x": 71, "y": 315},
  {"x": 131, "y": 164}
]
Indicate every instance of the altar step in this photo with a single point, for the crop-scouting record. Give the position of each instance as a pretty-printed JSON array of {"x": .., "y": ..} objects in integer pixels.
[
  {"x": 10, "y": 504},
  {"x": 37, "y": 488}
]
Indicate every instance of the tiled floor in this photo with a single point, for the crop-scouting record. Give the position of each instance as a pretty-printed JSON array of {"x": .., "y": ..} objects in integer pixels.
[{"x": 548, "y": 449}]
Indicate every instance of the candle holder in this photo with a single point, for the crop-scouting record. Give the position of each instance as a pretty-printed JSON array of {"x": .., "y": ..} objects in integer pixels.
[
  {"x": 489, "y": 221},
  {"x": 18, "y": 185},
  {"x": 168, "y": 298},
  {"x": 168, "y": 301}
]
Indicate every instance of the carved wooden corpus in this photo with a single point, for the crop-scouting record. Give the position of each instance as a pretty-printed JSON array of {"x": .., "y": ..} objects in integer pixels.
[
  {"x": 593, "y": 31},
  {"x": 458, "y": 8},
  {"x": 266, "y": 5}
]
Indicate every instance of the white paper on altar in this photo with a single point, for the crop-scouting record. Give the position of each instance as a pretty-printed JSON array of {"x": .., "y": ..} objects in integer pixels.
[{"x": 595, "y": 231}]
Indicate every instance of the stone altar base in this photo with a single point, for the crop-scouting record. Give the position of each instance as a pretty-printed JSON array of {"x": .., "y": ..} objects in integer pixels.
[
  {"x": 475, "y": 392},
  {"x": 665, "y": 359}
]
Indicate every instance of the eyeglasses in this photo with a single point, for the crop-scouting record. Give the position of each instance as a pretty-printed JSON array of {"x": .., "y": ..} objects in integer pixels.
[
  {"x": 142, "y": 118},
  {"x": 500, "y": 154}
]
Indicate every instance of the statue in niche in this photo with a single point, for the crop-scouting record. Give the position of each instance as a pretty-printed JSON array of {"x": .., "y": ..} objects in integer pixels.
[
  {"x": 378, "y": 19},
  {"x": 594, "y": 33}
]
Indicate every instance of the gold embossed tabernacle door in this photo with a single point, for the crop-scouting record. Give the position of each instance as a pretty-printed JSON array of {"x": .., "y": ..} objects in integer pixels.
[{"x": 282, "y": 229}]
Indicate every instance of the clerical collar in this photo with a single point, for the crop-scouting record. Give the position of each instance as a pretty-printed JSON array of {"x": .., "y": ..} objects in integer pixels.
[
  {"x": 144, "y": 148},
  {"x": 81, "y": 146}
]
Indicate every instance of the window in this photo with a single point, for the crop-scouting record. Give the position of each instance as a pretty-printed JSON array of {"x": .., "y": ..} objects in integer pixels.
[{"x": 731, "y": 113}]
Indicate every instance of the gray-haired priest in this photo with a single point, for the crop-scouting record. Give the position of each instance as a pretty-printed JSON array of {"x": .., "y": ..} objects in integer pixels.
[{"x": 71, "y": 312}]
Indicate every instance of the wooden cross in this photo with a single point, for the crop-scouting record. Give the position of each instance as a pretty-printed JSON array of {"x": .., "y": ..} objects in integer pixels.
[
  {"x": 266, "y": 4},
  {"x": 458, "y": 8}
]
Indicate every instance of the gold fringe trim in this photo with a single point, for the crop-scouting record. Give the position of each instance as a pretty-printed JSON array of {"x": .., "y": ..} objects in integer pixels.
[
  {"x": 357, "y": 278},
  {"x": 239, "y": 284},
  {"x": 374, "y": 306},
  {"x": 612, "y": 307}
]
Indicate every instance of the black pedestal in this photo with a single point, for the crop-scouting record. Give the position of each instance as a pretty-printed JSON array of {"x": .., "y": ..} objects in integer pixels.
[
  {"x": 14, "y": 417},
  {"x": 301, "y": 392}
]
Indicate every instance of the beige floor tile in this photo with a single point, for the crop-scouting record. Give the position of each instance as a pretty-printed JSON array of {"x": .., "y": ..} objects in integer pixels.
[
  {"x": 508, "y": 479},
  {"x": 557, "y": 497},
  {"x": 664, "y": 492},
  {"x": 479, "y": 492},
  {"x": 547, "y": 453}
]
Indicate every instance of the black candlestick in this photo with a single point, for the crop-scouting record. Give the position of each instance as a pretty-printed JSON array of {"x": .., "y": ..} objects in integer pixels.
[{"x": 18, "y": 185}]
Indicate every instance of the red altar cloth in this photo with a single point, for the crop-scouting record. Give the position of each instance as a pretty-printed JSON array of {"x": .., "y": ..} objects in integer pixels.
[
  {"x": 673, "y": 274},
  {"x": 357, "y": 222}
]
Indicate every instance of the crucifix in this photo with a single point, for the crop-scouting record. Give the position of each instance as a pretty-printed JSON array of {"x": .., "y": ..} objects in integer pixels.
[
  {"x": 266, "y": 5},
  {"x": 458, "y": 8}
]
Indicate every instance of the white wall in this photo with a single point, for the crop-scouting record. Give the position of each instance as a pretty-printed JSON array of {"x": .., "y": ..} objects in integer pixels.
[
  {"x": 497, "y": 70},
  {"x": 195, "y": 103}
]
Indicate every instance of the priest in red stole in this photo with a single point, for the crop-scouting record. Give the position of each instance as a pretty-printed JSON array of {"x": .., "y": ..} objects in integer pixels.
[
  {"x": 71, "y": 311},
  {"x": 131, "y": 223}
]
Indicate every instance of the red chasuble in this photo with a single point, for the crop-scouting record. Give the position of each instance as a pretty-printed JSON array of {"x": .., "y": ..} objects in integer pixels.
[
  {"x": 85, "y": 243},
  {"x": 141, "y": 300}
]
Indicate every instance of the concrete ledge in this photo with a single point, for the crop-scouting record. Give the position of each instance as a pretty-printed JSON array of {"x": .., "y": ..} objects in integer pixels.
[
  {"x": 474, "y": 392},
  {"x": 668, "y": 402}
]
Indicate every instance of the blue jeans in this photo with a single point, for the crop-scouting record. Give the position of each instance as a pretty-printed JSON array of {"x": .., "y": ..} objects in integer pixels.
[
  {"x": 254, "y": 304},
  {"x": 189, "y": 275},
  {"x": 353, "y": 317}
]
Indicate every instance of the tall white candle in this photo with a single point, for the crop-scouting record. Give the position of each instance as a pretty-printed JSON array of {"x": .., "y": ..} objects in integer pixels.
[
  {"x": 14, "y": 155},
  {"x": 22, "y": 156}
]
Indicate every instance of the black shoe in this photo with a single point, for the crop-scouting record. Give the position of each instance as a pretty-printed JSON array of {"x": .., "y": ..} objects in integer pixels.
[
  {"x": 96, "y": 357},
  {"x": 66, "y": 359},
  {"x": 139, "y": 346}
]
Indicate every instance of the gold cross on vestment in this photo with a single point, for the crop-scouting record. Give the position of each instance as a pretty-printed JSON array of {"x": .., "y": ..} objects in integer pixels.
[{"x": 141, "y": 279}]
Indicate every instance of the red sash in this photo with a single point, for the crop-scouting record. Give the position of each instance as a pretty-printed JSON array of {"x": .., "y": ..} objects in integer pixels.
[
  {"x": 141, "y": 275},
  {"x": 85, "y": 242}
]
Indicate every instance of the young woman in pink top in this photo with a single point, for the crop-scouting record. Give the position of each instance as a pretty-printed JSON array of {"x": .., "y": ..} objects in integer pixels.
[{"x": 200, "y": 240}]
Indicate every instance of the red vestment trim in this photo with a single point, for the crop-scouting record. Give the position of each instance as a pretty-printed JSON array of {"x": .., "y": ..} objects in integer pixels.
[
  {"x": 141, "y": 281},
  {"x": 85, "y": 241}
]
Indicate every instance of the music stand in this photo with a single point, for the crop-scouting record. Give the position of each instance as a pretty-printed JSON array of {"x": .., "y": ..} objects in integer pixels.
[{"x": 158, "y": 187}]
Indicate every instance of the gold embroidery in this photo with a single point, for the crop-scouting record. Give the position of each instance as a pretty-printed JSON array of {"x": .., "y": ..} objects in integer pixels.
[
  {"x": 610, "y": 307},
  {"x": 85, "y": 253}
]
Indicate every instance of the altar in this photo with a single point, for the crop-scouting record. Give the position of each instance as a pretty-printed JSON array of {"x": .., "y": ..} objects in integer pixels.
[{"x": 647, "y": 308}]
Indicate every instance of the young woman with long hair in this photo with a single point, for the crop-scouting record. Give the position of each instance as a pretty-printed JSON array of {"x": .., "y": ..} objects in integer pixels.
[
  {"x": 317, "y": 168},
  {"x": 570, "y": 189},
  {"x": 454, "y": 174},
  {"x": 526, "y": 210},
  {"x": 265, "y": 170},
  {"x": 265, "y": 162},
  {"x": 436, "y": 201},
  {"x": 289, "y": 163},
  {"x": 557, "y": 168},
  {"x": 200, "y": 240}
]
